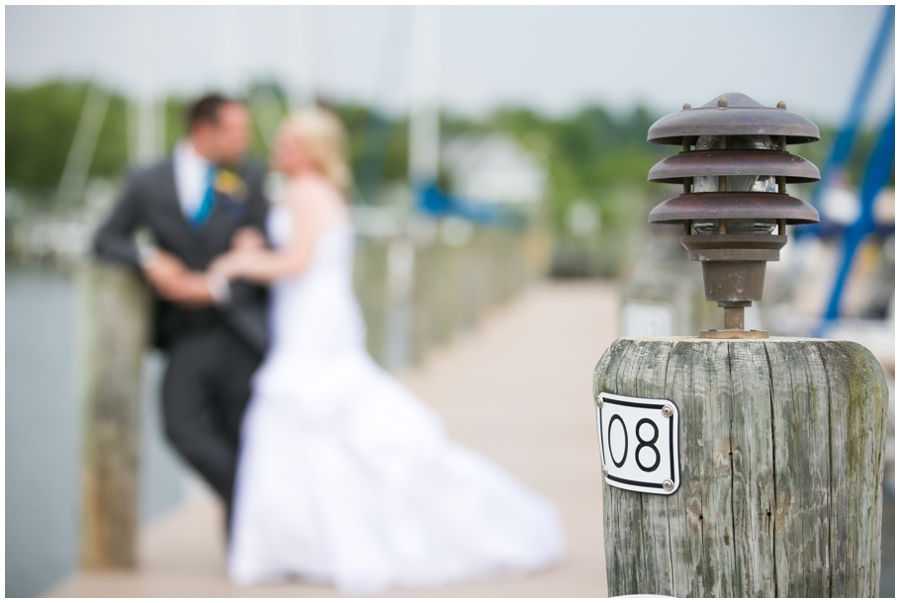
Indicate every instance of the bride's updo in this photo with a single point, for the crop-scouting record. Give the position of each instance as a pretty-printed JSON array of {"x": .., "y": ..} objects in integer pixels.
[{"x": 324, "y": 138}]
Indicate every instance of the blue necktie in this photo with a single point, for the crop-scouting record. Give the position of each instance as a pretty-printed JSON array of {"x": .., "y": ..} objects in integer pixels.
[{"x": 198, "y": 220}]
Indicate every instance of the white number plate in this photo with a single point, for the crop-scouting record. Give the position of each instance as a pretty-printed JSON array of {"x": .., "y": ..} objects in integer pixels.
[{"x": 639, "y": 443}]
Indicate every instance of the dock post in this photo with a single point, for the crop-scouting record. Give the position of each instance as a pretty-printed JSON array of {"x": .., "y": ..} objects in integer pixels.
[
  {"x": 114, "y": 321},
  {"x": 735, "y": 464},
  {"x": 781, "y": 456}
]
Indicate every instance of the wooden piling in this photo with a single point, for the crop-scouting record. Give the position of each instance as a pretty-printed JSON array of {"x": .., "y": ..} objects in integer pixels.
[
  {"x": 114, "y": 321},
  {"x": 781, "y": 456}
]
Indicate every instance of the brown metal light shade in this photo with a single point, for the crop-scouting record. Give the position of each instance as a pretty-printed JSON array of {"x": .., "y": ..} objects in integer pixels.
[{"x": 734, "y": 170}]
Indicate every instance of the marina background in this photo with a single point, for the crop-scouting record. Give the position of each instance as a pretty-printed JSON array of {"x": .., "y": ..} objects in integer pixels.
[{"x": 538, "y": 115}]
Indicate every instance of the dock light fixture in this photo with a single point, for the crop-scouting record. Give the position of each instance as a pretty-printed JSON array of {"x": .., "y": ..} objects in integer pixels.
[{"x": 734, "y": 207}]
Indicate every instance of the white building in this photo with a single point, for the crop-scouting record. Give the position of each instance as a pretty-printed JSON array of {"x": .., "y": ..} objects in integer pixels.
[{"x": 494, "y": 168}]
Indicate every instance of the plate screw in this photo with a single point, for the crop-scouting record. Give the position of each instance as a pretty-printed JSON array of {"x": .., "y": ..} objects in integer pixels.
[
  {"x": 600, "y": 401},
  {"x": 668, "y": 411},
  {"x": 605, "y": 470},
  {"x": 667, "y": 484}
]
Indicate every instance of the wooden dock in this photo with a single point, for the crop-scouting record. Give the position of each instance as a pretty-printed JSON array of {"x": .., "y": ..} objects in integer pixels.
[{"x": 517, "y": 388}]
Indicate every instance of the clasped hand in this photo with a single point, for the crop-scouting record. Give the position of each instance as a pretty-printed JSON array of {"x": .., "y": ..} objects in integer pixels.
[
  {"x": 246, "y": 246},
  {"x": 175, "y": 283}
]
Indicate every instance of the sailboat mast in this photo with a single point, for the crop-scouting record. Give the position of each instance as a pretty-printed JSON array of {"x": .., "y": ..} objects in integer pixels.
[{"x": 424, "y": 126}]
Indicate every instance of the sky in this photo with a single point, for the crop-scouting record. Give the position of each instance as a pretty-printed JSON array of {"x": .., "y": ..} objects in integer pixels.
[{"x": 552, "y": 59}]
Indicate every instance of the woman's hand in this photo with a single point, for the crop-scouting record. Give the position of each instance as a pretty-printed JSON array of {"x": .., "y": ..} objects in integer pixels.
[
  {"x": 248, "y": 237},
  {"x": 233, "y": 265}
]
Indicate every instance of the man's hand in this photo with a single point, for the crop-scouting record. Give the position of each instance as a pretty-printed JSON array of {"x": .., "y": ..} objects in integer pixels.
[
  {"x": 163, "y": 270},
  {"x": 175, "y": 283},
  {"x": 190, "y": 289}
]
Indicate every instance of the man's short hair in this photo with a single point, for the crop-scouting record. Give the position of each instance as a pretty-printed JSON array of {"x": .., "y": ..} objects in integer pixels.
[{"x": 206, "y": 109}]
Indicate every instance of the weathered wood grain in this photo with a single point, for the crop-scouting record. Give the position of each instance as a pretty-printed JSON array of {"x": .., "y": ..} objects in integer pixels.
[
  {"x": 701, "y": 525},
  {"x": 857, "y": 432},
  {"x": 753, "y": 485},
  {"x": 801, "y": 450},
  {"x": 115, "y": 319},
  {"x": 782, "y": 444}
]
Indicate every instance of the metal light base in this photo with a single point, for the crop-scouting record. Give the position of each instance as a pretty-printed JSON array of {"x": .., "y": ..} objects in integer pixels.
[
  {"x": 734, "y": 269},
  {"x": 733, "y": 334}
]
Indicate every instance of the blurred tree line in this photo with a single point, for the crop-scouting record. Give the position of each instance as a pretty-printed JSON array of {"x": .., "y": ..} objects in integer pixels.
[{"x": 593, "y": 157}]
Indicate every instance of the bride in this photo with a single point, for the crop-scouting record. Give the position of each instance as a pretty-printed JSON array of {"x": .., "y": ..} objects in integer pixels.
[{"x": 345, "y": 477}]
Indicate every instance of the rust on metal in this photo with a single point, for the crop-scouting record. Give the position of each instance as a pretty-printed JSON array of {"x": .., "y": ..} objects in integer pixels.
[
  {"x": 734, "y": 334},
  {"x": 742, "y": 117},
  {"x": 734, "y": 206},
  {"x": 714, "y": 206},
  {"x": 714, "y": 162}
]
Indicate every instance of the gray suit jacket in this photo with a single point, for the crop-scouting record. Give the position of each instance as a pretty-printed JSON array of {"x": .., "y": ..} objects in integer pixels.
[{"x": 150, "y": 199}]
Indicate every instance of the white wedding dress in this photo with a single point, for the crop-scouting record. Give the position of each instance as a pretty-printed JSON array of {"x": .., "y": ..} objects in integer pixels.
[{"x": 346, "y": 478}]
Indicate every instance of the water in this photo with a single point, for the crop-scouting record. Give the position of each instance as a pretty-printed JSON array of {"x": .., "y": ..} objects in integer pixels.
[{"x": 43, "y": 434}]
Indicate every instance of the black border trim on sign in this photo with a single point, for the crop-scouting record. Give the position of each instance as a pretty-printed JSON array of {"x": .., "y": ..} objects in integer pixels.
[
  {"x": 613, "y": 400},
  {"x": 634, "y": 483}
]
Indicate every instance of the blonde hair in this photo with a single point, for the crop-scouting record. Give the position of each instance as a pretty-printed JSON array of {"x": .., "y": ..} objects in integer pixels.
[{"x": 323, "y": 135}]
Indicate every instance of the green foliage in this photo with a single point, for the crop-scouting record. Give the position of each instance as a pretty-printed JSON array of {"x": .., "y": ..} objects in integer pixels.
[
  {"x": 592, "y": 156},
  {"x": 111, "y": 155},
  {"x": 174, "y": 110},
  {"x": 589, "y": 154},
  {"x": 378, "y": 148},
  {"x": 354, "y": 118},
  {"x": 40, "y": 126}
]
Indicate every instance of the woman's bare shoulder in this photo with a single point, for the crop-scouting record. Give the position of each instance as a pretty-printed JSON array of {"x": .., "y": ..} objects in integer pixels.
[
  {"x": 313, "y": 188},
  {"x": 316, "y": 195}
]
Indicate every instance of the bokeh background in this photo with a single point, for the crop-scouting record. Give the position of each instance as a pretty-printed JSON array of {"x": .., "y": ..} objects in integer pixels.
[{"x": 491, "y": 148}]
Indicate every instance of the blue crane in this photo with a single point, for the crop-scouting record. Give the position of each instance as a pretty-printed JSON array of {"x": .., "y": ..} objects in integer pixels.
[{"x": 876, "y": 175}]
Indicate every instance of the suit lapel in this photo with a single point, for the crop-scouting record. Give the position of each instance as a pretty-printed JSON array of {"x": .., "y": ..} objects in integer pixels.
[
  {"x": 169, "y": 190},
  {"x": 226, "y": 215},
  {"x": 215, "y": 235},
  {"x": 216, "y": 225}
]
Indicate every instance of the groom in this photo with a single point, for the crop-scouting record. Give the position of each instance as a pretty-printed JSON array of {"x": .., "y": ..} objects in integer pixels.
[{"x": 214, "y": 334}]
